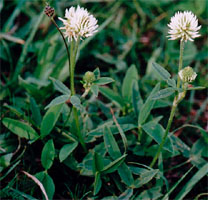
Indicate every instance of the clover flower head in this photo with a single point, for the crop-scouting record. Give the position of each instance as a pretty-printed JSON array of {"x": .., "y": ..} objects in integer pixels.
[
  {"x": 187, "y": 74},
  {"x": 78, "y": 23},
  {"x": 183, "y": 25}
]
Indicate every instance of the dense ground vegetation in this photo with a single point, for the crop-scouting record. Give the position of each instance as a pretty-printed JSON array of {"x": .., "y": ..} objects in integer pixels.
[{"x": 122, "y": 126}]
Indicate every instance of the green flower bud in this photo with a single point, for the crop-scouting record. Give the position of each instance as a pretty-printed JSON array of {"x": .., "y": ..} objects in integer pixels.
[
  {"x": 187, "y": 74},
  {"x": 89, "y": 77}
]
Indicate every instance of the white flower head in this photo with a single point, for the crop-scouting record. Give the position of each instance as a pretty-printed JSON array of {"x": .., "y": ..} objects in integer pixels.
[
  {"x": 78, "y": 23},
  {"x": 183, "y": 25},
  {"x": 187, "y": 74}
]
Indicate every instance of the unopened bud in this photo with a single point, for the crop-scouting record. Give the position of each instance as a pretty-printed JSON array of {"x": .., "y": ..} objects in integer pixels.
[
  {"x": 89, "y": 77},
  {"x": 187, "y": 74},
  {"x": 49, "y": 11}
]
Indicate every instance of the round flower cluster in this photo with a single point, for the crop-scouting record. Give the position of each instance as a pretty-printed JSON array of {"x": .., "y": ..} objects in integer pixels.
[
  {"x": 88, "y": 79},
  {"x": 183, "y": 25},
  {"x": 78, "y": 23},
  {"x": 187, "y": 74}
]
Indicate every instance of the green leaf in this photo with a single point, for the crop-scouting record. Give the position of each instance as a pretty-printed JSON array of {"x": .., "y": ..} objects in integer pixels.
[
  {"x": 95, "y": 89},
  {"x": 58, "y": 100},
  {"x": 76, "y": 102},
  {"x": 21, "y": 129},
  {"x": 193, "y": 181},
  {"x": 126, "y": 194},
  {"x": 113, "y": 166},
  {"x": 31, "y": 88},
  {"x": 125, "y": 174},
  {"x": 137, "y": 101},
  {"x": 97, "y": 162},
  {"x": 110, "y": 143},
  {"x": 35, "y": 111},
  {"x": 21, "y": 194},
  {"x": 163, "y": 93},
  {"x": 97, "y": 73},
  {"x": 156, "y": 131},
  {"x": 196, "y": 88},
  {"x": 98, "y": 132},
  {"x": 150, "y": 194},
  {"x": 112, "y": 95},
  {"x": 48, "y": 154},
  {"x": 59, "y": 86},
  {"x": 47, "y": 182},
  {"x": 147, "y": 106},
  {"x": 97, "y": 183},
  {"x": 17, "y": 111},
  {"x": 49, "y": 119},
  {"x": 66, "y": 150},
  {"x": 103, "y": 81},
  {"x": 5, "y": 161},
  {"x": 145, "y": 178},
  {"x": 130, "y": 77},
  {"x": 122, "y": 134},
  {"x": 172, "y": 83},
  {"x": 110, "y": 198},
  {"x": 164, "y": 74}
]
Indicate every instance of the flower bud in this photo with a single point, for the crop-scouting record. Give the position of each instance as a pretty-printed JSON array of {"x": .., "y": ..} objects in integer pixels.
[
  {"x": 89, "y": 77},
  {"x": 187, "y": 74},
  {"x": 49, "y": 11}
]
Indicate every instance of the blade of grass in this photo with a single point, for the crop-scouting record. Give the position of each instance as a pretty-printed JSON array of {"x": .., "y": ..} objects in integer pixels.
[
  {"x": 11, "y": 38},
  {"x": 21, "y": 60},
  {"x": 123, "y": 136},
  {"x": 173, "y": 188},
  {"x": 195, "y": 179},
  {"x": 16, "y": 12},
  {"x": 102, "y": 26}
]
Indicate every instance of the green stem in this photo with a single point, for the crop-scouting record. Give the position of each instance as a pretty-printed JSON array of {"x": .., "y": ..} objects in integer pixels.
[
  {"x": 73, "y": 54},
  {"x": 165, "y": 135},
  {"x": 72, "y": 62},
  {"x": 71, "y": 67},
  {"x": 139, "y": 133},
  {"x": 180, "y": 61},
  {"x": 79, "y": 135},
  {"x": 173, "y": 109}
]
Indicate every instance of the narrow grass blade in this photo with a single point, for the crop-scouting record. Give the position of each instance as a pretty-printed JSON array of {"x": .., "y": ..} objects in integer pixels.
[
  {"x": 173, "y": 188},
  {"x": 194, "y": 180}
]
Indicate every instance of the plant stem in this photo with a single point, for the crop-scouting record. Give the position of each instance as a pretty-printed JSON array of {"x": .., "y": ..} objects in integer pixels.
[
  {"x": 67, "y": 50},
  {"x": 173, "y": 109},
  {"x": 72, "y": 61},
  {"x": 73, "y": 54},
  {"x": 180, "y": 61},
  {"x": 71, "y": 67},
  {"x": 165, "y": 136},
  {"x": 139, "y": 133}
]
